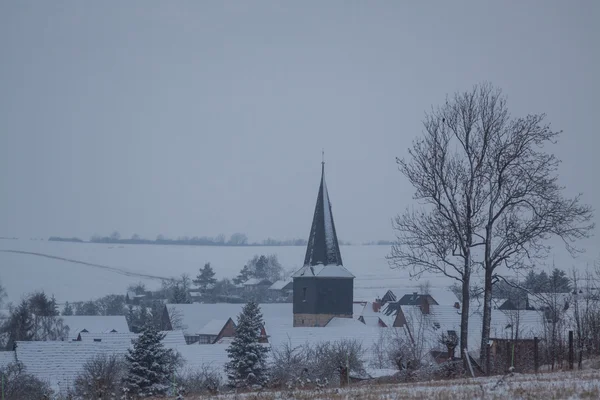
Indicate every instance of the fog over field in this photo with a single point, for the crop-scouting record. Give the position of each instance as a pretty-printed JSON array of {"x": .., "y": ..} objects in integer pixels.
[{"x": 73, "y": 281}]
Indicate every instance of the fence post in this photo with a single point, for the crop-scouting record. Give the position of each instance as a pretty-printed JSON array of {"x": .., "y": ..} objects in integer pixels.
[
  {"x": 488, "y": 366},
  {"x": 536, "y": 360},
  {"x": 507, "y": 355},
  {"x": 571, "y": 358}
]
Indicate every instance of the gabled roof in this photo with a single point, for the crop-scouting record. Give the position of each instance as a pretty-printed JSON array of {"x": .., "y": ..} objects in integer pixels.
[
  {"x": 192, "y": 318},
  {"x": 172, "y": 339},
  {"x": 323, "y": 257},
  {"x": 257, "y": 281},
  {"x": 95, "y": 324},
  {"x": 213, "y": 327},
  {"x": 58, "y": 362},
  {"x": 281, "y": 284}
]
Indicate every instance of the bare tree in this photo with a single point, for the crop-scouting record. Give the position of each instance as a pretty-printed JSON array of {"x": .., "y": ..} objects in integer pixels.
[
  {"x": 447, "y": 169},
  {"x": 489, "y": 184},
  {"x": 524, "y": 205}
]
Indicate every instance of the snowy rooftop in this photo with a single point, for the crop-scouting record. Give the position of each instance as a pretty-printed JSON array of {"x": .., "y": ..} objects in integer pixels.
[
  {"x": 59, "y": 363},
  {"x": 95, "y": 324},
  {"x": 278, "y": 285},
  {"x": 172, "y": 339},
  {"x": 213, "y": 327},
  {"x": 194, "y": 317}
]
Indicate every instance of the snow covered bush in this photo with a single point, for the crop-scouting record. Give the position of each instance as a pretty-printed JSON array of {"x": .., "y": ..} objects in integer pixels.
[
  {"x": 248, "y": 356},
  {"x": 318, "y": 365},
  {"x": 149, "y": 365},
  {"x": 17, "y": 385},
  {"x": 205, "y": 380},
  {"x": 101, "y": 377}
]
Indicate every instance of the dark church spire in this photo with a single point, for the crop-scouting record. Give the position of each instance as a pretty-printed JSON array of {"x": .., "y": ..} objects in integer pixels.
[{"x": 323, "y": 248}]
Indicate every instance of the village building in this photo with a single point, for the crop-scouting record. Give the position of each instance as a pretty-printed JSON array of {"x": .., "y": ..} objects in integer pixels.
[
  {"x": 323, "y": 287},
  {"x": 94, "y": 324}
]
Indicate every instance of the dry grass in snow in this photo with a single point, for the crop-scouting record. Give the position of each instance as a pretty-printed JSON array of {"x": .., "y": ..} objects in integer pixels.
[{"x": 559, "y": 385}]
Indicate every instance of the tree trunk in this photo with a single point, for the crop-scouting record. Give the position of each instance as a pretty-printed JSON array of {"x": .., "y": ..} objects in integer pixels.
[
  {"x": 487, "y": 319},
  {"x": 464, "y": 317}
]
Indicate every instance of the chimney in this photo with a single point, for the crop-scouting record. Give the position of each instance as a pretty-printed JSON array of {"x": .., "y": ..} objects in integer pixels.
[{"x": 376, "y": 306}]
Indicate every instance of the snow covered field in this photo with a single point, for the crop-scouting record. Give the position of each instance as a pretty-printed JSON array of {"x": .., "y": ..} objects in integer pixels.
[
  {"x": 558, "y": 385},
  {"x": 24, "y": 273}
]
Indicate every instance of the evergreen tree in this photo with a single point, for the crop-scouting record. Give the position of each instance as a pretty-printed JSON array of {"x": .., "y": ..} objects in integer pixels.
[
  {"x": 247, "y": 365},
  {"x": 20, "y": 325},
  {"x": 150, "y": 364},
  {"x": 244, "y": 275},
  {"x": 537, "y": 283},
  {"x": 179, "y": 295},
  {"x": 260, "y": 268},
  {"x": 559, "y": 282},
  {"x": 206, "y": 278},
  {"x": 68, "y": 310}
]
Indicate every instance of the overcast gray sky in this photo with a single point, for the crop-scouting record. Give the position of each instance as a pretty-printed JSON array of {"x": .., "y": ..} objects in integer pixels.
[{"x": 199, "y": 118}]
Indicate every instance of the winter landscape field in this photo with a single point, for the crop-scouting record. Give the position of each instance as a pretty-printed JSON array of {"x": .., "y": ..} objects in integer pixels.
[
  {"x": 70, "y": 277},
  {"x": 550, "y": 386},
  {"x": 73, "y": 281}
]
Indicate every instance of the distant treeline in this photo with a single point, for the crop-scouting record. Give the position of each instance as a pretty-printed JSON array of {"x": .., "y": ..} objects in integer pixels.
[
  {"x": 237, "y": 239},
  {"x": 60, "y": 239}
]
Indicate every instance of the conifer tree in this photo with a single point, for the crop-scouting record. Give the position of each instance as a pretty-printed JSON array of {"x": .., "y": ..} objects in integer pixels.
[
  {"x": 150, "y": 364},
  {"x": 244, "y": 275},
  {"x": 68, "y": 310},
  {"x": 206, "y": 278},
  {"x": 247, "y": 365}
]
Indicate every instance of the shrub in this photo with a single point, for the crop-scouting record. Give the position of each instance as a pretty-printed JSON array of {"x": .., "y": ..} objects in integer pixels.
[
  {"x": 101, "y": 377},
  {"x": 205, "y": 380},
  {"x": 19, "y": 385}
]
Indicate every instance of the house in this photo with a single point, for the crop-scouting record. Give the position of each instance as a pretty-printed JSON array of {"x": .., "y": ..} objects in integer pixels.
[
  {"x": 94, "y": 324},
  {"x": 171, "y": 340},
  {"x": 134, "y": 298},
  {"x": 323, "y": 287},
  {"x": 257, "y": 284},
  {"x": 282, "y": 289},
  {"x": 408, "y": 296},
  {"x": 59, "y": 363},
  {"x": 193, "y": 318},
  {"x": 216, "y": 329}
]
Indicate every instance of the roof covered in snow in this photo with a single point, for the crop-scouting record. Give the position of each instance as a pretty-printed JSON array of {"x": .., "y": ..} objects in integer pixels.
[
  {"x": 213, "y": 327},
  {"x": 172, "y": 339},
  {"x": 95, "y": 324},
  {"x": 58, "y": 362},
  {"x": 257, "y": 281},
  {"x": 192, "y": 318},
  {"x": 323, "y": 257},
  {"x": 281, "y": 284}
]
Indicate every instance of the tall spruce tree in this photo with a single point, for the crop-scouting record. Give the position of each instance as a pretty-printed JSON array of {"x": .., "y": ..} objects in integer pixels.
[
  {"x": 206, "y": 278},
  {"x": 247, "y": 365},
  {"x": 150, "y": 365}
]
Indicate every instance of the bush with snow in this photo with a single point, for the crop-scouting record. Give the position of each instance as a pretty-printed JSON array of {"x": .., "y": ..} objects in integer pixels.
[
  {"x": 17, "y": 384},
  {"x": 101, "y": 377}
]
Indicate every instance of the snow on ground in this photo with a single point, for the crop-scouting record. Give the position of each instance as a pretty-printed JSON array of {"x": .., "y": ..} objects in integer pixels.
[
  {"x": 559, "y": 385},
  {"x": 24, "y": 273}
]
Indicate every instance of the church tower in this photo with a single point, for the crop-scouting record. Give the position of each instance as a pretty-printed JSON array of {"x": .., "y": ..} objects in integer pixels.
[{"x": 323, "y": 288}]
